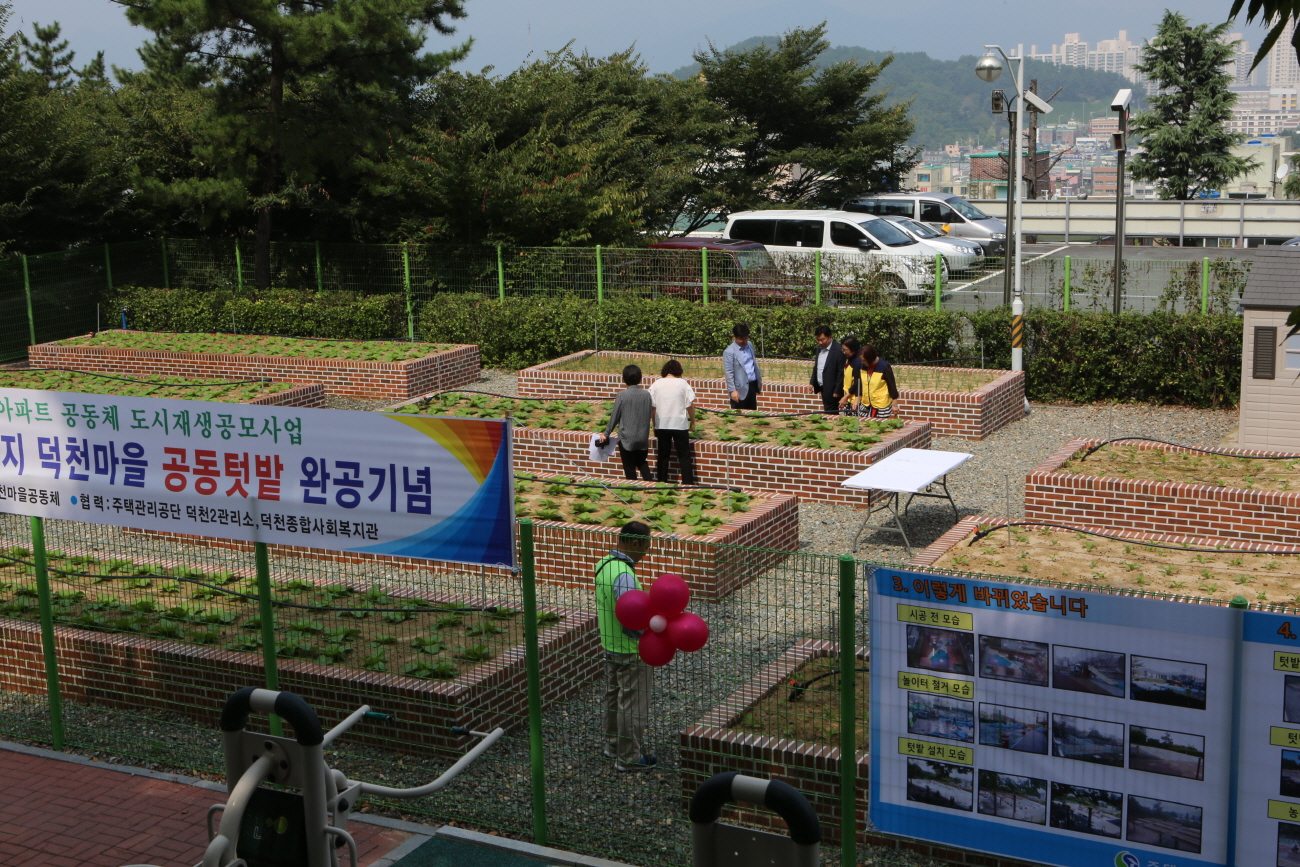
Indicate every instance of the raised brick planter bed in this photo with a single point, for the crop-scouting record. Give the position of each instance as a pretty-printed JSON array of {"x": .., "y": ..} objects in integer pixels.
[
  {"x": 452, "y": 368},
  {"x": 966, "y": 527},
  {"x": 134, "y": 673},
  {"x": 711, "y": 746},
  {"x": 714, "y": 565},
  {"x": 811, "y": 474},
  {"x": 970, "y": 415},
  {"x": 1159, "y": 507}
]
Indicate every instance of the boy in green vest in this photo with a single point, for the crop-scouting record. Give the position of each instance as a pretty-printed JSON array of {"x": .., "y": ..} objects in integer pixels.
[{"x": 628, "y": 679}]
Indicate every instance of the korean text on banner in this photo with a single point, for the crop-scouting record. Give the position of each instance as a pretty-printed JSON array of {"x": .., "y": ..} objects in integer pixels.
[
  {"x": 411, "y": 486},
  {"x": 1052, "y": 725}
]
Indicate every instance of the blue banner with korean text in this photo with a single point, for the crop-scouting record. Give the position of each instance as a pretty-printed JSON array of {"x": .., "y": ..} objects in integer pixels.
[{"x": 414, "y": 486}]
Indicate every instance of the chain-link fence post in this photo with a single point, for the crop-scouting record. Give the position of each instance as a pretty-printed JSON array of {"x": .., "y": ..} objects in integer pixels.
[
  {"x": 848, "y": 712},
  {"x": 501, "y": 276},
  {"x": 600, "y": 277},
  {"x": 1066, "y": 288},
  {"x": 532, "y": 667},
  {"x": 704, "y": 275},
  {"x": 239, "y": 269},
  {"x": 267, "y": 615},
  {"x": 31, "y": 317},
  {"x": 47, "y": 632},
  {"x": 1205, "y": 285},
  {"x": 938, "y": 282},
  {"x": 817, "y": 277},
  {"x": 406, "y": 283}
]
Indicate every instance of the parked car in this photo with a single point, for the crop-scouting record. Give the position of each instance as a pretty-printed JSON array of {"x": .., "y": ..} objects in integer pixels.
[
  {"x": 1293, "y": 242},
  {"x": 904, "y": 266},
  {"x": 947, "y": 213},
  {"x": 738, "y": 271},
  {"x": 959, "y": 254}
]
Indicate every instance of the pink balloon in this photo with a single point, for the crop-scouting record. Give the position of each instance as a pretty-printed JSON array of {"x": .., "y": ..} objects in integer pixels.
[
  {"x": 669, "y": 595},
  {"x": 655, "y": 649},
  {"x": 633, "y": 609},
  {"x": 688, "y": 632}
]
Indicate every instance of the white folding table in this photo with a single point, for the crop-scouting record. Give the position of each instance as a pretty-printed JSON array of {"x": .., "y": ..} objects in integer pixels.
[{"x": 915, "y": 472}]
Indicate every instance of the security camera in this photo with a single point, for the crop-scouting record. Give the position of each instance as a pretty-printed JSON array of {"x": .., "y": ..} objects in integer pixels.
[
  {"x": 1122, "y": 100},
  {"x": 1036, "y": 103}
]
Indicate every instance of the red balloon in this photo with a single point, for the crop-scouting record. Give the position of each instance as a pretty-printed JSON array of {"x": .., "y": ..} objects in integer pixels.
[
  {"x": 655, "y": 649},
  {"x": 633, "y": 609},
  {"x": 687, "y": 632},
  {"x": 669, "y": 595}
]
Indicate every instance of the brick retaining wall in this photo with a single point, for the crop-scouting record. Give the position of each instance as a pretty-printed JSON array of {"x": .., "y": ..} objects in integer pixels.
[
  {"x": 811, "y": 474},
  {"x": 135, "y": 673},
  {"x": 970, "y": 415},
  {"x": 307, "y": 395},
  {"x": 1159, "y": 507},
  {"x": 714, "y": 565},
  {"x": 400, "y": 380}
]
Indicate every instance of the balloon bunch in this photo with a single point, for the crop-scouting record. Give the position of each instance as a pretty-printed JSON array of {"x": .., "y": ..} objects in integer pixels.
[{"x": 662, "y": 614}]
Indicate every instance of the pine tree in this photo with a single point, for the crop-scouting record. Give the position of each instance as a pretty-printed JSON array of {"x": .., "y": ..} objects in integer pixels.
[
  {"x": 302, "y": 92},
  {"x": 49, "y": 56},
  {"x": 1184, "y": 135}
]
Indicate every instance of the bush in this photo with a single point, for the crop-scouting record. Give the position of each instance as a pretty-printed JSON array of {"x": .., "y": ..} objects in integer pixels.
[
  {"x": 1161, "y": 358},
  {"x": 520, "y": 332},
  {"x": 287, "y": 312}
]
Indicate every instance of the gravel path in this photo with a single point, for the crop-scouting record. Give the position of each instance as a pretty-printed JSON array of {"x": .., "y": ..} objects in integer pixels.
[{"x": 591, "y": 807}]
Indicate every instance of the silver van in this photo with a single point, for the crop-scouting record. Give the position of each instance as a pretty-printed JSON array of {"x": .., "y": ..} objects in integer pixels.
[{"x": 950, "y": 214}]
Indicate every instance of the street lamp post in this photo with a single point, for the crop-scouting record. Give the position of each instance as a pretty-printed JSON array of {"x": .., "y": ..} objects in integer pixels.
[
  {"x": 1119, "y": 143},
  {"x": 989, "y": 68}
]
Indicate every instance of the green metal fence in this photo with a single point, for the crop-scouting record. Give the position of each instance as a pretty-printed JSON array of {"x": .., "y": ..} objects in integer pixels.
[
  {"x": 61, "y": 294},
  {"x": 111, "y": 690}
]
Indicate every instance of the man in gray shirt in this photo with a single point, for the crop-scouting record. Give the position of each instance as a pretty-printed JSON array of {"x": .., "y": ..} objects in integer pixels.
[
  {"x": 632, "y": 411},
  {"x": 743, "y": 378}
]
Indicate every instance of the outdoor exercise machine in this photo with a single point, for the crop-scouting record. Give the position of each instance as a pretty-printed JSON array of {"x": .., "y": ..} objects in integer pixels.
[
  {"x": 714, "y": 844},
  {"x": 281, "y": 827}
]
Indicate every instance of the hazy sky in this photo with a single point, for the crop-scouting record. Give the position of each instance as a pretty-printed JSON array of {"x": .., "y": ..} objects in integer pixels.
[{"x": 506, "y": 32}]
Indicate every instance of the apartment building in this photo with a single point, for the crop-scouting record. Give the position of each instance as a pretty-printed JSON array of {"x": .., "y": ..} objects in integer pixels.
[{"x": 1121, "y": 55}]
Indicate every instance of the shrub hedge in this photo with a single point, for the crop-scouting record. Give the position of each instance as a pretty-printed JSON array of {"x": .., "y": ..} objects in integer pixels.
[
  {"x": 1162, "y": 358},
  {"x": 288, "y": 312},
  {"x": 1081, "y": 357}
]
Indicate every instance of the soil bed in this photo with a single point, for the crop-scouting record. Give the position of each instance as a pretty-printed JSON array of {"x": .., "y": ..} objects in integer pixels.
[
  {"x": 1079, "y": 558},
  {"x": 915, "y": 378},
  {"x": 1127, "y": 461},
  {"x": 814, "y": 717},
  {"x": 670, "y": 509},
  {"x": 162, "y": 386},
  {"x": 814, "y": 431},
  {"x": 250, "y": 344},
  {"x": 346, "y": 625}
]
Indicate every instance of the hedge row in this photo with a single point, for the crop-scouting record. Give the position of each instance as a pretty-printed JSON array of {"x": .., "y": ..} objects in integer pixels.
[
  {"x": 1079, "y": 357},
  {"x": 290, "y": 312},
  {"x": 1160, "y": 358}
]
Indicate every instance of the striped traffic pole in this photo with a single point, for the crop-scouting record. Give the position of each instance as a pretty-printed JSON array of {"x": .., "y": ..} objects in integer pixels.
[{"x": 1017, "y": 334}]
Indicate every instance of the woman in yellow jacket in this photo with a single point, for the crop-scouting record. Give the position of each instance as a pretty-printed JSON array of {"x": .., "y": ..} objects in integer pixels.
[{"x": 869, "y": 386}]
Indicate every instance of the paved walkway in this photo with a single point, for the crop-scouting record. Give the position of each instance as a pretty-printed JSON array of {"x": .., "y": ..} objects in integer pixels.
[{"x": 56, "y": 813}]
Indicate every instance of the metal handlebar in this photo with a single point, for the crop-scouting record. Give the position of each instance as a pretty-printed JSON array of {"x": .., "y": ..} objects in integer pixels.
[{"x": 448, "y": 775}]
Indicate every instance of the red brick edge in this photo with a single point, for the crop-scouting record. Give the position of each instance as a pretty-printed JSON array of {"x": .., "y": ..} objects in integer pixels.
[{"x": 1151, "y": 506}]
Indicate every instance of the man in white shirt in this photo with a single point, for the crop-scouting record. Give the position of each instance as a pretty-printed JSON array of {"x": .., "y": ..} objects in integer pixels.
[{"x": 674, "y": 417}]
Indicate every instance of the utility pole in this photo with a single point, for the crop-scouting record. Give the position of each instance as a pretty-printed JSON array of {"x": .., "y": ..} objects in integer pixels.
[
  {"x": 1031, "y": 147},
  {"x": 1012, "y": 177}
]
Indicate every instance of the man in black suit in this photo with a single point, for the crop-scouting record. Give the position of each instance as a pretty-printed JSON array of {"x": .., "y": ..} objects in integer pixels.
[{"x": 827, "y": 377}]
